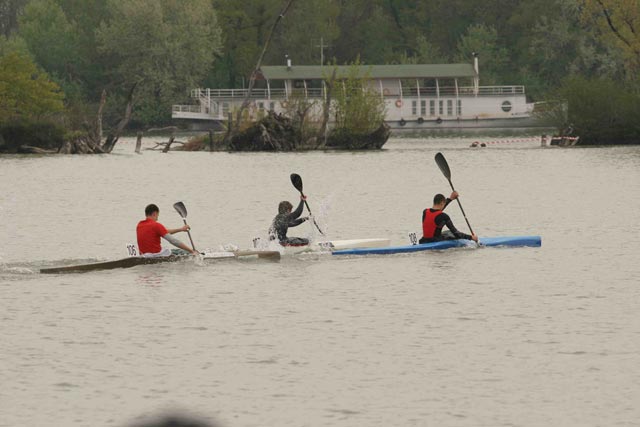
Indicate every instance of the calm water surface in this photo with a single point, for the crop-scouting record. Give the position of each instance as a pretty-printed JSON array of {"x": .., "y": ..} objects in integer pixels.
[{"x": 544, "y": 336}]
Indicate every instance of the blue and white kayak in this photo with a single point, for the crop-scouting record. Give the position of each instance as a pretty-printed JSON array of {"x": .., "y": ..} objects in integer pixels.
[{"x": 510, "y": 241}]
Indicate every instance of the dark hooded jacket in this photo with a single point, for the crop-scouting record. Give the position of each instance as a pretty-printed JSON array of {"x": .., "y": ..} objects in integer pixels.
[{"x": 284, "y": 220}]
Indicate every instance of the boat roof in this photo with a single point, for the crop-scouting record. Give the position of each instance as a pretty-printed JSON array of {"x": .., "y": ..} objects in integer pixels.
[{"x": 405, "y": 71}]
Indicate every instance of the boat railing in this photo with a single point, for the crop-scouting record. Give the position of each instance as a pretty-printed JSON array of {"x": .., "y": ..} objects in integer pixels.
[
  {"x": 462, "y": 91},
  {"x": 187, "y": 109},
  {"x": 237, "y": 93},
  {"x": 281, "y": 93}
]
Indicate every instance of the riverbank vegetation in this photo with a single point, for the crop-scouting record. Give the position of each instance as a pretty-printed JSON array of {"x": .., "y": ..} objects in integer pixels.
[{"x": 151, "y": 53}]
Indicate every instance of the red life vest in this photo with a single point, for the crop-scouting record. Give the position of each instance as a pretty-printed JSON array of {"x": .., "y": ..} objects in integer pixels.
[{"x": 429, "y": 224}]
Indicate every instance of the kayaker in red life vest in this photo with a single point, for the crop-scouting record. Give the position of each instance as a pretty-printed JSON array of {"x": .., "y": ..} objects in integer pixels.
[
  {"x": 149, "y": 232},
  {"x": 434, "y": 219}
]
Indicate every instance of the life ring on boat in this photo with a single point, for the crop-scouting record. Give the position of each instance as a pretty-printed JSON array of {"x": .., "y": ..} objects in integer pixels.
[
  {"x": 420, "y": 120},
  {"x": 284, "y": 104},
  {"x": 402, "y": 122},
  {"x": 386, "y": 91},
  {"x": 438, "y": 120},
  {"x": 399, "y": 103}
]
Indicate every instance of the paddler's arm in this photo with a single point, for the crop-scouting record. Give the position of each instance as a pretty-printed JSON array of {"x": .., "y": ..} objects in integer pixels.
[
  {"x": 177, "y": 230},
  {"x": 295, "y": 214},
  {"x": 298, "y": 221},
  {"x": 458, "y": 234},
  {"x": 177, "y": 243},
  {"x": 450, "y": 199}
]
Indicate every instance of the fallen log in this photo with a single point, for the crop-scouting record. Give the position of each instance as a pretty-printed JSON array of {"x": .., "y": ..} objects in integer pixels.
[{"x": 29, "y": 149}]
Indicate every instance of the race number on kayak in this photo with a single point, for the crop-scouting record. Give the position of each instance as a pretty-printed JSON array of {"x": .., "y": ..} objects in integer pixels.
[{"x": 132, "y": 250}]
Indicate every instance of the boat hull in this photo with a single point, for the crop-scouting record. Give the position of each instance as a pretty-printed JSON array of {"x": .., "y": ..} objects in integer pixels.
[
  {"x": 135, "y": 261},
  {"x": 336, "y": 245},
  {"x": 509, "y": 241}
]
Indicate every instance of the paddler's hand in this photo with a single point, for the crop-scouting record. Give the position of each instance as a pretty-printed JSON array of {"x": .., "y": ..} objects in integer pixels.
[
  {"x": 303, "y": 197},
  {"x": 194, "y": 252},
  {"x": 185, "y": 228},
  {"x": 474, "y": 237},
  {"x": 454, "y": 195},
  {"x": 305, "y": 218}
]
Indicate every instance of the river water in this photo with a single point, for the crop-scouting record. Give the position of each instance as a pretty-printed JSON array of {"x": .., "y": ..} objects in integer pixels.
[{"x": 543, "y": 336}]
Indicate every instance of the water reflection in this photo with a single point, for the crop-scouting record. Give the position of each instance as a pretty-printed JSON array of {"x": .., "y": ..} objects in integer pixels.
[
  {"x": 150, "y": 278},
  {"x": 175, "y": 421}
]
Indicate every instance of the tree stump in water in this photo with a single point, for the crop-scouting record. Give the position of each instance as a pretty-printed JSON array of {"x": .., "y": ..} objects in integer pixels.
[
  {"x": 274, "y": 132},
  {"x": 80, "y": 145},
  {"x": 345, "y": 140}
]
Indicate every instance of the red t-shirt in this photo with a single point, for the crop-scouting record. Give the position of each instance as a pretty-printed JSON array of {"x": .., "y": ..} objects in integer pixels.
[{"x": 149, "y": 233}]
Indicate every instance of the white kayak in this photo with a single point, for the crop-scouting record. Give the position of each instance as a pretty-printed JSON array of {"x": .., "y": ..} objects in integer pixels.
[
  {"x": 337, "y": 245},
  {"x": 331, "y": 245}
]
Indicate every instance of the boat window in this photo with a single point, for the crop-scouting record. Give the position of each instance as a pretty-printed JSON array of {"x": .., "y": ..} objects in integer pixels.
[
  {"x": 432, "y": 107},
  {"x": 414, "y": 107},
  {"x": 423, "y": 107},
  {"x": 506, "y": 106},
  {"x": 272, "y": 106},
  {"x": 459, "y": 107},
  {"x": 441, "y": 107},
  {"x": 449, "y": 107}
]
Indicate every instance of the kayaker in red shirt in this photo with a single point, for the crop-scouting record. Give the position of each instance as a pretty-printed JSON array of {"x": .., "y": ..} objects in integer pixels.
[
  {"x": 149, "y": 232},
  {"x": 433, "y": 220}
]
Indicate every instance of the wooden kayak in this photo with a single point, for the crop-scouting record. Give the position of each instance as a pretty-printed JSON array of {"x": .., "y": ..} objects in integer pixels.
[
  {"x": 510, "y": 241},
  {"x": 137, "y": 260}
]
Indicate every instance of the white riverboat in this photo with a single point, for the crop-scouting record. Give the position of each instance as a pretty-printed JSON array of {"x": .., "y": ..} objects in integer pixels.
[{"x": 416, "y": 96}]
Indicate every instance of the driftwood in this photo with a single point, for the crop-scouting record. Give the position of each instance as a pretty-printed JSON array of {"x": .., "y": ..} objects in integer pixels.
[
  {"x": 276, "y": 132},
  {"x": 80, "y": 145},
  {"x": 112, "y": 138},
  {"x": 165, "y": 146},
  {"x": 103, "y": 100},
  {"x": 29, "y": 149},
  {"x": 341, "y": 139},
  {"x": 164, "y": 129},
  {"x": 139, "y": 143}
]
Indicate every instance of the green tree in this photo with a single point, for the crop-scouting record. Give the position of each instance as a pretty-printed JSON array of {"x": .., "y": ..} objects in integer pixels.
[
  {"x": 618, "y": 22},
  {"x": 166, "y": 46},
  {"x": 492, "y": 57},
  {"x": 25, "y": 91},
  {"x": 9, "y": 12},
  {"x": 245, "y": 26},
  {"x": 53, "y": 40},
  {"x": 614, "y": 118},
  {"x": 358, "y": 108}
]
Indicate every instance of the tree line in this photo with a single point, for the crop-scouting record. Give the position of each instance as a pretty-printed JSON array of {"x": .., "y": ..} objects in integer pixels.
[{"x": 58, "y": 56}]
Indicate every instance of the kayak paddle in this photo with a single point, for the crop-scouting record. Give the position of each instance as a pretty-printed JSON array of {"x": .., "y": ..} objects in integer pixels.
[
  {"x": 444, "y": 167},
  {"x": 182, "y": 210},
  {"x": 296, "y": 180}
]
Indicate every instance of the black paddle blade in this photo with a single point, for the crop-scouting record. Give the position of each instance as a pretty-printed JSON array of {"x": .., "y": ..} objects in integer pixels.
[
  {"x": 442, "y": 164},
  {"x": 180, "y": 207},
  {"x": 296, "y": 181}
]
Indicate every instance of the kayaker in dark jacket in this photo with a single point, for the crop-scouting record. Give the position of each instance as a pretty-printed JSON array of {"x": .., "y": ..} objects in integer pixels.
[
  {"x": 434, "y": 219},
  {"x": 286, "y": 219}
]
